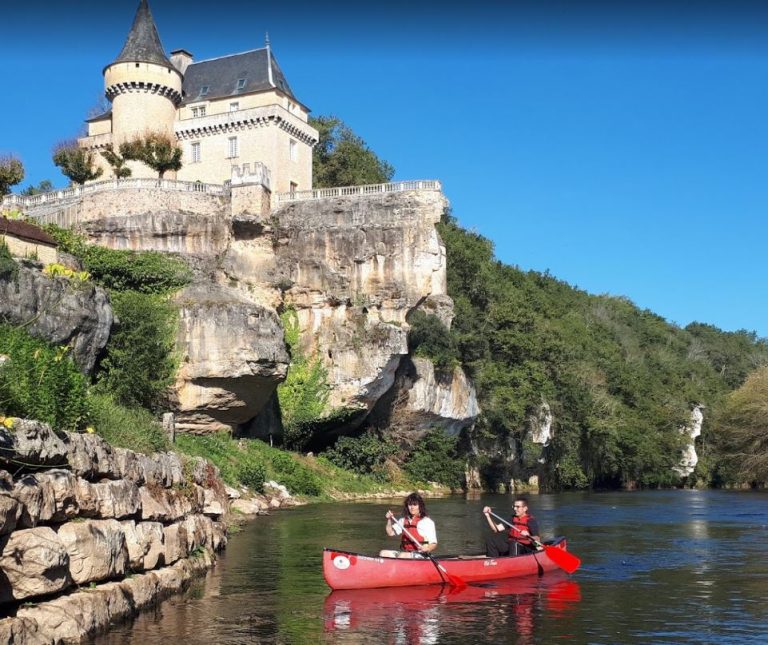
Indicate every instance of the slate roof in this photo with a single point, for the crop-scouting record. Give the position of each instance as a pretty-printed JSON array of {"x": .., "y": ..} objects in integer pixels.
[
  {"x": 143, "y": 42},
  {"x": 25, "y": 231},
  {"x": 223, "y": 76}
]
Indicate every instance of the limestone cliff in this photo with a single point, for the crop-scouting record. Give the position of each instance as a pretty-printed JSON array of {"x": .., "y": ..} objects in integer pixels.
[{"x": 353, "y": 267}]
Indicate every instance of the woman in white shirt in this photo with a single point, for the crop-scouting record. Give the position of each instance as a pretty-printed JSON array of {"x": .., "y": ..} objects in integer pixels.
[{"x": 416, "y": 530}]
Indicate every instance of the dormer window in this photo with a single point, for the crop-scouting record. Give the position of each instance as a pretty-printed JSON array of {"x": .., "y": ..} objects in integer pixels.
[
  {"x": 204, "y": 90},
  {"x": 240, "y": 83},
  {"x": 198, "y": 111}
]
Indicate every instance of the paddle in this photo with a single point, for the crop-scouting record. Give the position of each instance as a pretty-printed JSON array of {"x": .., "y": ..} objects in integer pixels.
[
  {"x": 563, "y": 559},
  {"x": 452, "y": 580}
]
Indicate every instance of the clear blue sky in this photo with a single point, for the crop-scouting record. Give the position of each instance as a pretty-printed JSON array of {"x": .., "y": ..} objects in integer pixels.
[{"x": 623, "y": 146}]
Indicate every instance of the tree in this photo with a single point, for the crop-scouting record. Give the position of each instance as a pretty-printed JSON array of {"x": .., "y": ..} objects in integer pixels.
[
  {"x": 11, "y": 173},
  {"x": 75, "y": 162},
  {"x": 341, "y": 158},
  {"x": 155, "y": 149},
  {"x": 45, "y": 186},
  {"x": 117, "y": 162},
  {"x": 745, "y": 428}
]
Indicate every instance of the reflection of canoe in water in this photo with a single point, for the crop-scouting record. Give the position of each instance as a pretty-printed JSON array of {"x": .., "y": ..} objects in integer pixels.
[
  {"x": 344, "y": 570},
  {"x": 350, "y": 608}
]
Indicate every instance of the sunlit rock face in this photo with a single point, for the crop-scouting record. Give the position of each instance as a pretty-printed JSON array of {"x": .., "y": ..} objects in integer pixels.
[
  {"x": 232, "y": 358},
  {"x": 692, "y": 430},
  {"x": 354, "y": 268},
  {"x": 540, "y": 425},
  {"x": 424, "y": 398}
]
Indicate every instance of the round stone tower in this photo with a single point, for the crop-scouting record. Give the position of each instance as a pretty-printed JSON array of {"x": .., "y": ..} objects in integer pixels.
[{"x": 142, "y": 84}]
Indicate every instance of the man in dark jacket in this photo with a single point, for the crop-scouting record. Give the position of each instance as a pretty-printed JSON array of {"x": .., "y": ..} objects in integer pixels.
[{"x": 518, "y": 540}]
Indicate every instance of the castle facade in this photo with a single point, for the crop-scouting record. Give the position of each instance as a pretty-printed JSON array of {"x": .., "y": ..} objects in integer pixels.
[{"x": 224, "y": 112}]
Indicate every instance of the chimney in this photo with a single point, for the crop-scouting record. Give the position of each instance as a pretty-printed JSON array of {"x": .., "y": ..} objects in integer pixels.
[{"x": 181, "y": 59}]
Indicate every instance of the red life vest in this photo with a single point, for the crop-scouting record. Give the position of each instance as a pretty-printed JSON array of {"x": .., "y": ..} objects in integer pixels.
[
  {"x": 410, "y": 524},
  {"x": 520, "y": 523}
]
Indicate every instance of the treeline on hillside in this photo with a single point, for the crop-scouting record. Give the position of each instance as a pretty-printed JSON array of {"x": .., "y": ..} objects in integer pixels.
[{"x": 620, "y": 381}]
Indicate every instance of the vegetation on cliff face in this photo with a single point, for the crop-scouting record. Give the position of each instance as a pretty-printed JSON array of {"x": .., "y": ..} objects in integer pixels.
[
  {"x": 620, "y": 381},
  {"x": 40, "y": 382}
]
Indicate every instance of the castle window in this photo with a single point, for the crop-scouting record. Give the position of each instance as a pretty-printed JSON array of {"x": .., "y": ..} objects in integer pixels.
[
  {"x": 196, "y": 152},
  {"x": 198, "y": 111},
  {"x": 293, "y": 188},
  {"x": 240, "y": 83},
  {"x": 203, "y": 90},
  {"x": 233, "y": 147},
  {"x": 234, "y": 107},
  {"x": 293, "y": 150}
]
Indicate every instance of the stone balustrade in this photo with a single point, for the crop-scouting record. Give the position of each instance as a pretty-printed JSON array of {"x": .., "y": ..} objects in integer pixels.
[
  {"x": 369, "y": 189},
  {"x": 31, "y": 201}
]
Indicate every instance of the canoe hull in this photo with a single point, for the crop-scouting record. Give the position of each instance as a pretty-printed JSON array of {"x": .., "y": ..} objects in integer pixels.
[{"x": 345, "y": 570}]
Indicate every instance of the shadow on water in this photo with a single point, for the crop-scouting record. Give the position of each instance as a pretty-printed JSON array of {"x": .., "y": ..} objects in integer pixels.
[{"x": 658, "y": 566}]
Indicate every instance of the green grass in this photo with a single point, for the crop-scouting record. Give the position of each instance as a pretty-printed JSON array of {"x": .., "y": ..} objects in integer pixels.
[
  {"x": 310, "y": 477},
  {"x": 123, "y": 427}
]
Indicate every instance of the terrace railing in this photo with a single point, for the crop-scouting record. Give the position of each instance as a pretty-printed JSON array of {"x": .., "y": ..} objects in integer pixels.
[
  {"x": 370, "y": 189},
  {"x": 51, "y": 198}
]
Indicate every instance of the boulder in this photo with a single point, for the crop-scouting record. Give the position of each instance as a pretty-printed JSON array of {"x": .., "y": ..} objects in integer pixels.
[
  {"x": 33, "y": 443},
  {"x": 96, "y": 549},
  {"x": 51, "y": 309},
  {"x": 233, "y": 357},
  {"x": 33, "y": 562}
]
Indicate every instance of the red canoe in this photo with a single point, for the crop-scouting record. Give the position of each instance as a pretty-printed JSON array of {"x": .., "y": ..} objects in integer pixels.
[{"x": 344, "y": 570}]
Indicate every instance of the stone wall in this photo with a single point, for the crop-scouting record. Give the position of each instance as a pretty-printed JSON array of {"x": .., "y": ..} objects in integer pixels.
[{"x": 78, "y": 513}]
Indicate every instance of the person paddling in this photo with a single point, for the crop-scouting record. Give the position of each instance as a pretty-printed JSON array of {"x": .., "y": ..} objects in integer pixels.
[
  {"x": 414, "y": 523},
  {"x": 519, "y": 539}
]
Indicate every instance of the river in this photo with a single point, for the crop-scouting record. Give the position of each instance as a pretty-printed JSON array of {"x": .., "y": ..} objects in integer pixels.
[{"x": 658, "y": 567}]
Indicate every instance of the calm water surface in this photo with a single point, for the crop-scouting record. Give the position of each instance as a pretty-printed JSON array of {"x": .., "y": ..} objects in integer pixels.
[{"x": 658, "y": 567}]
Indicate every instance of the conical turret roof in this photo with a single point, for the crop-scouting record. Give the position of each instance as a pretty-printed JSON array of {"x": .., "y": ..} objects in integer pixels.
[{"x": 143, "y": 42}]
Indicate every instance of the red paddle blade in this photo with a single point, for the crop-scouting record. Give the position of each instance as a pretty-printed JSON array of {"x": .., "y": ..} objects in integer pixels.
[
  {"x": 455, "y": 581},
  {"x": 452, "y": 580},
  {"x": 563, "y": 559}
]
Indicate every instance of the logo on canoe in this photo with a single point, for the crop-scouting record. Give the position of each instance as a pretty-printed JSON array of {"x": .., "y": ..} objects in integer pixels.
[
  {"x": 341, "y": 562},
  {"x": 489, "y": 563}
]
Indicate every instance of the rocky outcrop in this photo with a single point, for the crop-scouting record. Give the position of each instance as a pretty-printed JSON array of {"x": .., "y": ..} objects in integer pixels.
[
  {"x": 354, "y": 268},
  {"x": 233, "y": 357},
  {"x": 58, "y": 311},
  {"x": 95, "y": 514},
  {"x": 691, "y": 430}
]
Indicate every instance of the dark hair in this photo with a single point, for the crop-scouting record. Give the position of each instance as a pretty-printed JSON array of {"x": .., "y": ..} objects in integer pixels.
[
  {"x": 521, "y": 498},
  {"x": 414, "y": 498}
]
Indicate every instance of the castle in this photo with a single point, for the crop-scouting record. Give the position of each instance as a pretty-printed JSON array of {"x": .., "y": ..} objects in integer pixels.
[{"x": 224, "y": 111}]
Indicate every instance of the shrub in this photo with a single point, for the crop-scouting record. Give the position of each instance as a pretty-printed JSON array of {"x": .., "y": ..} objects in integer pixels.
[
  {"x": 435, "y": 458},
  {"x": 41, "y": 382},
  {"x": 140, "y": 358},
  {"x": 428, "y": 337},
  {"x": 252, "y": 474},
  {"x": 123, "y": 270},
  {"x": 365, "y": 454},
  {"x": 304, "y": 393},
  {"x": 9, "y": 268},
  {"x": 131, "y": 428}
]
